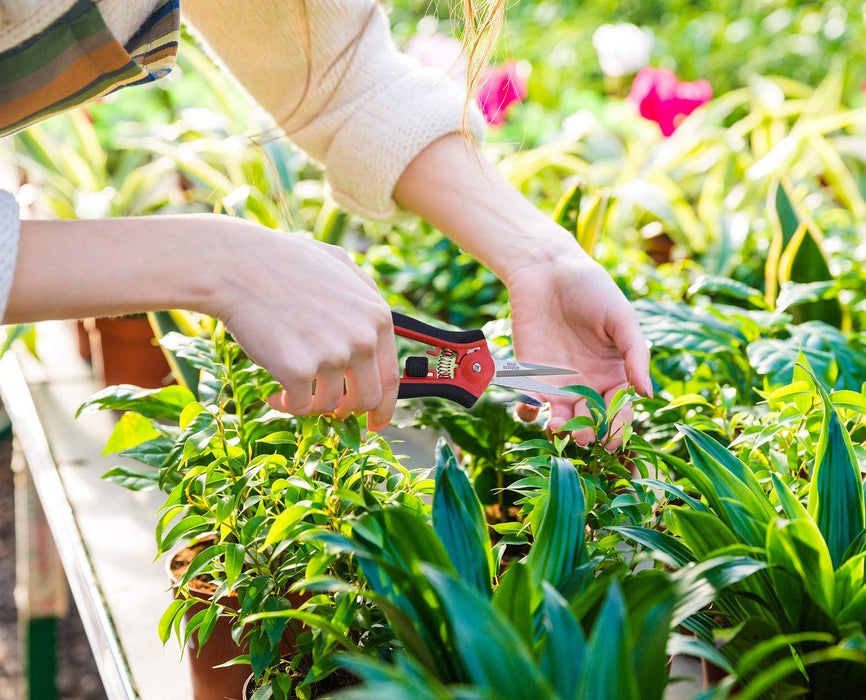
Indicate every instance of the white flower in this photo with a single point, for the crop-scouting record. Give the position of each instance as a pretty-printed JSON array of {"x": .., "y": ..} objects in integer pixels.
[
  {"x": 440, "y": 52},
  {"x": 623, "y": 49}
]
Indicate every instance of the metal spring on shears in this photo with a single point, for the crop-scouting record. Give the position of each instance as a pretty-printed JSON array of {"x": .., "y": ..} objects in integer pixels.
[{"x": 445, "y": 364}]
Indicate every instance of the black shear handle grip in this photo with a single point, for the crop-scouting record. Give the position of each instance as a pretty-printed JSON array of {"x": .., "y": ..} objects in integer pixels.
[
  {"x": 421, "y": 330},
  {"x": 417, "y": 390}
]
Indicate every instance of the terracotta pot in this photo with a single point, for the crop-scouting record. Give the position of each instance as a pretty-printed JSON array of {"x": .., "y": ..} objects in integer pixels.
[
  {"x": 125, "y": 352},
  {"x": 209, "y": 683},
  {"x": 83, "y": 338}
]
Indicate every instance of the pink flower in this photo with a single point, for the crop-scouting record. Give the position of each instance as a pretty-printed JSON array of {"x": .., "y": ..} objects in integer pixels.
[
  {"x": 502, "y": 86},
  {"x": 661, "y": 97}
]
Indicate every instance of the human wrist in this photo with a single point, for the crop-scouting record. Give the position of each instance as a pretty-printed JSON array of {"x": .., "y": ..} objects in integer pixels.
[{"x": 537, "y": 245}]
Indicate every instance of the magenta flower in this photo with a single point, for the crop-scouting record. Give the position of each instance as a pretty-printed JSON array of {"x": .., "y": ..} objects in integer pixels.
[
  {"x": 662, "y": 98},
  {"x": 502, "y": 87}
]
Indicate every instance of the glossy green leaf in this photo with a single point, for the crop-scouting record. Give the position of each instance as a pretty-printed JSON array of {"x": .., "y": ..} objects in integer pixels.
[
  {"x": 609, "y": 668},
  {"x": 797, "y": 546},
  {"x": 130, "y": 431},
  {"x": 166, "y": 403},
  {"x": 483, "y": 639},
  {"x": 562, "y": 645},
  {"x": 558, "y": 544},
  {"x": 459, "y": 522},
  {"x": 836, "y": 498},
  {"x": 514, "y": 599},
  {"x": 133, "y": 478},
  {"x": 729, "y": 486},
  {"x": 667, "y": 548}
]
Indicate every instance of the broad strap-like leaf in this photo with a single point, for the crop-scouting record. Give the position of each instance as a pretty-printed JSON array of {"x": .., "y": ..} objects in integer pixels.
[
  {"x": 700, "y": 584},
  {"x": 836, "y": 499},
  {"x": 514, "y": 599},
  {"x": 562, "y": 645},
  {"x": 609, "y": 668},
  {"x": 666, "y": 547},
  {"x": 802, "y": 571},
  {"x": 729, "y": 486},
  {"x": 558, "y": 545},
  {"x": 489, "y": 648},
  {"x": 650, "y": 601},
  {"x": 459, "y": 522}
]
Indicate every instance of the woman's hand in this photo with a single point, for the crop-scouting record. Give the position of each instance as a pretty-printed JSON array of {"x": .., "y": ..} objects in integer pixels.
[
  {"x": 567, "y": 312},
  {"x": 303, "y": 310}
]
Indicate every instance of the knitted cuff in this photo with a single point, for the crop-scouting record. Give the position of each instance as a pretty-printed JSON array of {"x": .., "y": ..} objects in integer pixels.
[
  {"x": 9, "y": 231},
  {"x": 372, "y": 149}
]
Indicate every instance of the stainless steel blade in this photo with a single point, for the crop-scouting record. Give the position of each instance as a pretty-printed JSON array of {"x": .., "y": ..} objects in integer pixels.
[
  {"x": 526, "y": 384},
  {"x": 513, "y": 368}
]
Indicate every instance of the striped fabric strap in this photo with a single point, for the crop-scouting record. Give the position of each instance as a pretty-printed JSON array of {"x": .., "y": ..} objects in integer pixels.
[{"x": 77, "y": 59}]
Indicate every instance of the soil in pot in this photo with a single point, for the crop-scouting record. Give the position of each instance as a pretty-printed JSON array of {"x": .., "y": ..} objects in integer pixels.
[
  {"x": 494, "y": 516},
  {"x": 124, "y": 351},
  {"x": 339, "y": 679}
]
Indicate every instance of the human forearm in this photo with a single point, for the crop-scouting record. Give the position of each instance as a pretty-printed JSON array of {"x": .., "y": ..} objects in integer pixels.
[
  {"x": 284, "y": 297},
  {"x": 72, "y": 269},
  {"x": 451, "y": 185}
]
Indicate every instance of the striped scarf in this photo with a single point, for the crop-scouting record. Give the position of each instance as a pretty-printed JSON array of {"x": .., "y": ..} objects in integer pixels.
[{"x": 77, "y": 59}]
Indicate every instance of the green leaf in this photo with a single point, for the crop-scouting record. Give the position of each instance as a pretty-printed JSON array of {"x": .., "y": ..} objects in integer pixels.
[
  {"x": 349, "y": 432},
  {"x": 609, "y": 669},
  {"x": 562, "y": 646},
  {"x": 235, "y": 554},
  {"x": 836, "y": 498},
  {"x": 558, "y": 544},
  {"x": 166, "y": 403},
  {"x": 131, "y": 430},
  {"x": 459, "y": 522},
  {"x": 484, "y": 639},
  {"x": 132, "y": 478},
  {"x": 283, "y": 524},
  {"x": 175, "y": 608},
  {"x": 729, "y": 486},
  {"x": 668, "y": 549},
  {"x": 797, "y": 547},
  {"x": 514, "y": 599},
  {"x": 200, "y": 563}
]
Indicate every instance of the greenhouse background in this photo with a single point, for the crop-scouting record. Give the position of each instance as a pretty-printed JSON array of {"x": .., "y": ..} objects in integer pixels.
[{"x": 712, "y": 157}]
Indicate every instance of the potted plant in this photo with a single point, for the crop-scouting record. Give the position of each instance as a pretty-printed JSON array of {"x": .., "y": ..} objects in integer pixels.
[
  {"x": 798, "y": 626},
  {"x": 257, "y": 483},
  {"x": 550, "y": 626}
]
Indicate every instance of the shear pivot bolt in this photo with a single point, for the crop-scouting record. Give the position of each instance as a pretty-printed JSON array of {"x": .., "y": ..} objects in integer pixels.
[{"x": 476, "y": 368}]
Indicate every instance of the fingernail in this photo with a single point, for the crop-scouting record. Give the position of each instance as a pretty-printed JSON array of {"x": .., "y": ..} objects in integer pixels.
[{"x": 648, "y": 387}]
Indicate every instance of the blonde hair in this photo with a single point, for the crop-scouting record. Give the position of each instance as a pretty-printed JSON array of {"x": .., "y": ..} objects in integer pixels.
[{"x": 482, "y": 22}]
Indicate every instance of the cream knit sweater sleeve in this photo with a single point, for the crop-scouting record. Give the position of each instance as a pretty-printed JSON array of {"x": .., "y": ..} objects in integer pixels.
[
  {"x": 329, "y": 74},
  {"x": 9, "y": 227}
]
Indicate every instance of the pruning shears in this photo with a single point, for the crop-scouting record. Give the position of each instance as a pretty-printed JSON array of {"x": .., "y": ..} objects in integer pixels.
[{"x": 463, "y": 367}]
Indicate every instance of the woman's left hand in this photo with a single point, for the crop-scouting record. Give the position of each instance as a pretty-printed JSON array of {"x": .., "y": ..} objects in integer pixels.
[{"x": 568, "y": 312}]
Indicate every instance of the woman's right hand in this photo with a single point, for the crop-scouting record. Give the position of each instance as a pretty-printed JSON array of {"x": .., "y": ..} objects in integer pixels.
[{"x": 304, "y": 311}]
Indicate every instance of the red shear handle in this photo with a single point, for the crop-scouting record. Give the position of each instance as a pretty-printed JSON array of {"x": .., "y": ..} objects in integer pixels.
[
  {"x": 470, "y": 366},
  {"x": 414, "y": 329}
]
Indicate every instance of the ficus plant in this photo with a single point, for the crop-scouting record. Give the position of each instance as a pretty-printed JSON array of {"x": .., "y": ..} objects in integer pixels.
[
  {"x": 553, "y": 625},
  {"x": 796, "y": 628},
  {"x": 257, "y": 481}
]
